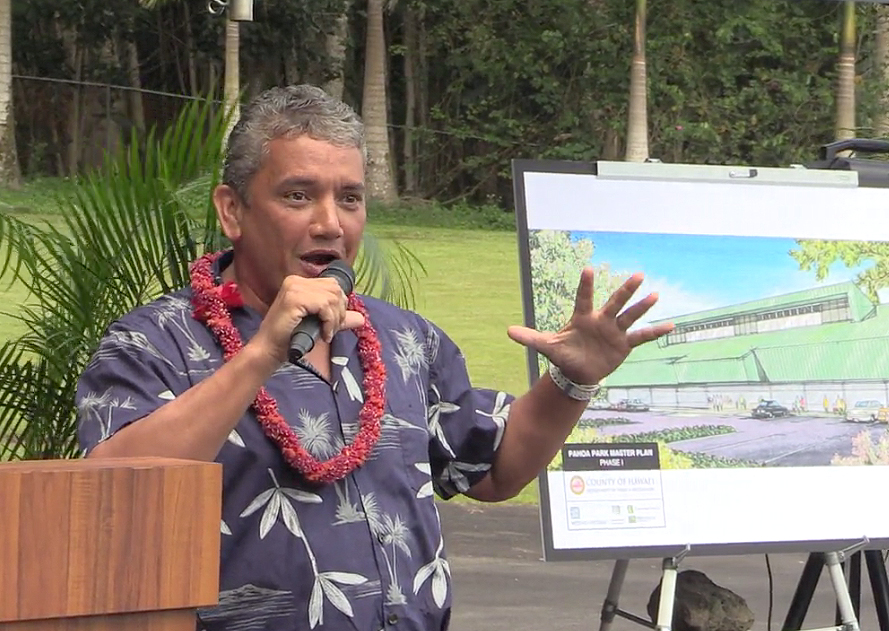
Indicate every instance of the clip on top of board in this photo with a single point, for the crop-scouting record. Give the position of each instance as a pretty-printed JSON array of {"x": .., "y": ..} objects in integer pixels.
[{"x": 739, "y": 175}]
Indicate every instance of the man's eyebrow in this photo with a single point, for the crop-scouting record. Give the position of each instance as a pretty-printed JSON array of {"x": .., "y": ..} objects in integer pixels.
[
  {"x": 306, "y": 182},
  {"x": 309, "y": 182}
]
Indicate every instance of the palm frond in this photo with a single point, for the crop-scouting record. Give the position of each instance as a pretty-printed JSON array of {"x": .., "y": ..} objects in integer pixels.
[
  {"x": 15, "y": 373},
  {"x": 128, "y": 233},
  {"x": 388, "y": 270}
]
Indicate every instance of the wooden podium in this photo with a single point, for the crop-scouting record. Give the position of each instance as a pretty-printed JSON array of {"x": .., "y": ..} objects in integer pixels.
[{"x": 108, "y": 545}]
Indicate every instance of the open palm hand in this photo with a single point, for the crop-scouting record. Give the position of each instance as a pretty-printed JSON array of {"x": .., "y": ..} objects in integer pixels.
[{"x": 595, "y": 342}]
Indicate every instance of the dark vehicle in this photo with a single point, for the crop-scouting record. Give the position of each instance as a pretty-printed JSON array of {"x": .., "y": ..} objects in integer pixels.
[{"x": 769, "y": 409}]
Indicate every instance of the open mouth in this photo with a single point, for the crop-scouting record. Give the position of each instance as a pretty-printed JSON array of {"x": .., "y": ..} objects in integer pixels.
[
  {"x": 319, "y": 258},
  {"x": 314, "y": 263}
]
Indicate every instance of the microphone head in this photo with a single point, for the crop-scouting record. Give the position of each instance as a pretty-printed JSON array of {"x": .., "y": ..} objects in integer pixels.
[{"x": 343, "y": 273}]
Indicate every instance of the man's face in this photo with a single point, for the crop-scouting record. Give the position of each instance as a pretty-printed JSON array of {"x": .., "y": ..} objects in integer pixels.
[{"x": 306, "y": 209}]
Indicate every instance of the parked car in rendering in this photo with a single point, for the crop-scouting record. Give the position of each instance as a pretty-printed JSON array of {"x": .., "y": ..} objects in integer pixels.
[
  {"x": 865, "y": 411},
  {"x": 631, "y": 405},
  {"x": 599, "y": 404},
  {"x": 769, "y": 409}
]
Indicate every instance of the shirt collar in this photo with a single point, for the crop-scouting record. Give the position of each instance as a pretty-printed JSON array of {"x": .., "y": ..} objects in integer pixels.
[{"x": 222, "y": 261}]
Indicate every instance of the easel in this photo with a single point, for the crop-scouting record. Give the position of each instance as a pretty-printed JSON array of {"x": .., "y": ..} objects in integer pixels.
[
  {"x": 664, "y": 622},
  {"x": 848, "y": 608},
  {"x": 847, "y": 612}
]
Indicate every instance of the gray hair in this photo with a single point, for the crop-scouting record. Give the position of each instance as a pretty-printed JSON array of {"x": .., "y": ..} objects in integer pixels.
[{"x": 287, "y": 112}]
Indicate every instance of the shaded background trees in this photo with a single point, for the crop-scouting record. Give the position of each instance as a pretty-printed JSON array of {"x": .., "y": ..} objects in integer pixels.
[{"x": 455, "y": 89}]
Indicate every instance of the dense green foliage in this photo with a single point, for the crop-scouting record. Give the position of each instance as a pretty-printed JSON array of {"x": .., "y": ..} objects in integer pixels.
[
  {"x": 487, "y": 80},
  {"x": 819, "y": 255},
  {"x": 673, "y": 434}
]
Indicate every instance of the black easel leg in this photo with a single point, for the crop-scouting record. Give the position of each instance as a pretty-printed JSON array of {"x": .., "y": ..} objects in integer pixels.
[
  {"x": 876, "y": 569},
  {"x": 805, "y": 590}
]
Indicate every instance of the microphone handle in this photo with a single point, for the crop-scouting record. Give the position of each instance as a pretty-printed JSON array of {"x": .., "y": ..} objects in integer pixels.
[{"x": 304, "y": 336}]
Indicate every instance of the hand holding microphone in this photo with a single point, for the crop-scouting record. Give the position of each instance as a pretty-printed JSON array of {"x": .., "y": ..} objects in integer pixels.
[
  {"x": 302, "y": 340},
  {"x": 307, "y": 309}
]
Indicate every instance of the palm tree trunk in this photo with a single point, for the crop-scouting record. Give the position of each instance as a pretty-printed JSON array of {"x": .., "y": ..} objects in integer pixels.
[
  {"x": 881, "y": 69},
  {"x": 422, "y": 97},
  {"x": 845, "y": 120},
  {"x": 191, "y": 51},
  {"x": 10, "y": 173},
  {"x": 380, "y": 181},
  {"x": 335, "y": 44},
  {"x": 637, "y": 124},
  {"x": 163, "y": 49},
  {"x": 232, "y": 87},
  {"x": 137, "y": 111},
  {"x": 410, "y": 97},
  {"x": 74, "y": 56}
]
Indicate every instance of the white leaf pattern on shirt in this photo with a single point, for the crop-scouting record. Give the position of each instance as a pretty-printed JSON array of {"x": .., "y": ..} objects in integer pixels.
[
  {"x": 439, "y": 569},
  {"x": 274, "y": 500},
  {"x": 235, "y": 439},
  {"x": 176, "y": 311},
  {"x": 499, "y": 415},
  {"x": 100, "y": 409},
  {"x": 436, "y": 409},
  {"x": 410, "y": 354},
  {"x": 426, "y": 490},
  {"x": 348, "y": 378}
]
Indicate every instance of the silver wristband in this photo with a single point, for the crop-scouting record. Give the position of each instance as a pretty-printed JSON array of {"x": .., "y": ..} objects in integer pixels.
[{"x": 577, "y": 391}]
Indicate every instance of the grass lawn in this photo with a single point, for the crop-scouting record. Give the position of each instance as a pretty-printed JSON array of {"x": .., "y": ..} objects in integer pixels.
[
  {"x": 471, "y": 290},
  {"x": 36, "y": 197}
]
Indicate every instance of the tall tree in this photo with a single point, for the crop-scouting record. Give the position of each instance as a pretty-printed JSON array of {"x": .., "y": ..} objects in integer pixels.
[
  {"x": 818, "y": 256},
  {"x": 881, "y": 68},
  {"x": 556, "y": 259},
  {"x": 637, "y": 125},
  {"x": 125, "y": 33},
  {"x": 410, "y": 99},
  {"x": 231, "y": 89},
  {"x": 10, "y": 174},
  {"x": 234, "y": 12},
  {"x": 845, "y": 99},
  {"x": 374, "y": 108},
  {"x": 335, "y": 45}
]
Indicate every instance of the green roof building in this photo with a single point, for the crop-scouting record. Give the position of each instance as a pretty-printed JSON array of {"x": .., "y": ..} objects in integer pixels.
[{"x": 824, "y": 342}]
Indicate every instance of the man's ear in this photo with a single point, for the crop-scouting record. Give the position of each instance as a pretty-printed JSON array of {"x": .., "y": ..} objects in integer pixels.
[{"x": 229, "y": 210}]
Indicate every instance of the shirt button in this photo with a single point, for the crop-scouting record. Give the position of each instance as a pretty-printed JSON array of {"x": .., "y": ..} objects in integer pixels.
[{"x": 392, "y": 618}]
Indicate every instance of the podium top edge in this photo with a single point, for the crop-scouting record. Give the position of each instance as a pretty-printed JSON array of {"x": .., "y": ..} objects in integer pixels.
[{"x": 82, "y": 464}]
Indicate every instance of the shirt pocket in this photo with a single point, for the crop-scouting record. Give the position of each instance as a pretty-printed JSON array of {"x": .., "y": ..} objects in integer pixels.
[{"x": 409, "y": 421}]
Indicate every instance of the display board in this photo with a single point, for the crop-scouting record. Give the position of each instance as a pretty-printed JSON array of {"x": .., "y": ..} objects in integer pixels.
[{"x": 753, "y": 426}]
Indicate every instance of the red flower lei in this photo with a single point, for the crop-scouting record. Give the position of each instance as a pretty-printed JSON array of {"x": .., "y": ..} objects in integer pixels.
[{"x": 211, "y": 306}]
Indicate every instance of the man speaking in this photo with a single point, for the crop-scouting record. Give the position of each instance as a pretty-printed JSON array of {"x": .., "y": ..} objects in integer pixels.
[{"x": 331, "y": 455}]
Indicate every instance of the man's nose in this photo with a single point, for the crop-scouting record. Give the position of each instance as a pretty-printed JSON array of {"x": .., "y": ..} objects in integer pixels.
[{"x": 326, "y": 220}]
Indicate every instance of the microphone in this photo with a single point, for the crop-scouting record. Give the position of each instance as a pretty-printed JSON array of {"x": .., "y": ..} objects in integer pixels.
[{"x": 302, "y": 340}]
